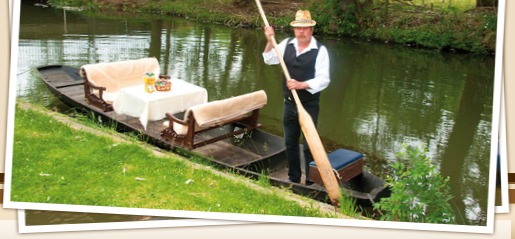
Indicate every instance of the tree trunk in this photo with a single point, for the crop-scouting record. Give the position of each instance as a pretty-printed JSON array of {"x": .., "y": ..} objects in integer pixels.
[
  {"x": 359, "y": 4},
  {"x": 360, "y": 7},
  {"x": 486, "y": 3}
]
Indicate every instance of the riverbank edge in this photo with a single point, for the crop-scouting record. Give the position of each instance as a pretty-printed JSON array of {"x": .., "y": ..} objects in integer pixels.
[
  {"x": 472, "y": 31},
  {"x": 74, "y": 124}
]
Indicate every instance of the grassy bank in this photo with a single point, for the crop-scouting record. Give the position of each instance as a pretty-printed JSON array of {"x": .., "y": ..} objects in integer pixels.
[
  {"x": 58, "y": 160},
  {"x": 441, "y": 25}
]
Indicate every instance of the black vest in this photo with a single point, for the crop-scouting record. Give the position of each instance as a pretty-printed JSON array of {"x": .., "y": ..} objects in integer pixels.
[{"x": 301, "y": 68}]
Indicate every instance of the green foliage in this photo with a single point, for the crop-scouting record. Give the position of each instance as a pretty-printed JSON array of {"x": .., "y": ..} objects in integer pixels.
[
  {"x": 419, "y": 193},
  {"x": 332, "y": 19},
  {"x": 490, "y": 22},
  {"x": 264, "y": 180},
  {"x": 348, "y": 206},
  {"x": 74, "y": 3},
  {"x": 429, "y": 24}
]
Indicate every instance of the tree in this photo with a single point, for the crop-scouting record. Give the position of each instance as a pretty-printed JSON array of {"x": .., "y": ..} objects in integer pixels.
[
  {"x": 487, "y": 3},
  {"x": 358, "y": 3}
]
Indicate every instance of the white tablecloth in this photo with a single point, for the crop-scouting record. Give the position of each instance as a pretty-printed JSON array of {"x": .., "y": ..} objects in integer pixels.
[{"x": 134, "y": 101}]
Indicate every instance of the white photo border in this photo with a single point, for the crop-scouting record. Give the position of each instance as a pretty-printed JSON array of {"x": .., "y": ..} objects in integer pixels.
[{"x": 260, "y": 218}]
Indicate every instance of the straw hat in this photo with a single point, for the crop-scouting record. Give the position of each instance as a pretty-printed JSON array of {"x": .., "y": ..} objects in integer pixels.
[{"x": 303, "y": 19}]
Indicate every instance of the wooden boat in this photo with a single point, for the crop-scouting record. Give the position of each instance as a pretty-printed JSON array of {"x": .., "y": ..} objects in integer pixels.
[{"x": 251, "y": 155}]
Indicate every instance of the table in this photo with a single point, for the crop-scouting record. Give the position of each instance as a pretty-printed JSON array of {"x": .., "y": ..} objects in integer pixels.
[{"x": 135, "y": 101}]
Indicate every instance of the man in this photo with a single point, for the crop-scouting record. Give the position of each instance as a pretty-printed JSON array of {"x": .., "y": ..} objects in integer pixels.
[{"x": 307, "y": 62}]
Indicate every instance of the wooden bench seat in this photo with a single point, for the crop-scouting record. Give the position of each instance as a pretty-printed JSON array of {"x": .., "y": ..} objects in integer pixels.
[
  {"x": 241, "y": 111},
  {"x": 346, "y": 163},
  {"x": 102, "y": 81}
]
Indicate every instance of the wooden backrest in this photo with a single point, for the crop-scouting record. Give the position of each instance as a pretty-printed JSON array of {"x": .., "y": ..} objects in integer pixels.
[
  {"x": 220, "y": 112},
  {"x": 217, "y": 112},
  {"x": 116, "y": 75}
]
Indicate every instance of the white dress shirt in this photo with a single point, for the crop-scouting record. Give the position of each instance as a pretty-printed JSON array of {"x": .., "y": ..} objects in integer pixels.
[{"x": 322, "y": 76}]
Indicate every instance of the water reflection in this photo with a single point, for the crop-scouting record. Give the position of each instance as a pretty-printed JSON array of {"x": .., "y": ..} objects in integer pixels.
[{"x": 381, "y": 96}]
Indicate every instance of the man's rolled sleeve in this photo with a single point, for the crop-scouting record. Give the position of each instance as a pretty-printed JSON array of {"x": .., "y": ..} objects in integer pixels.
[
  {"x": 322, "y": 75},
  {"x": 270, "y": 57}
]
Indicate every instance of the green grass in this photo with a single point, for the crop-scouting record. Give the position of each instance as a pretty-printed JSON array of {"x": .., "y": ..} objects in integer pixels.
[
  {"x": 463, "y": 5},
  {"x": 55, "y": 163}
]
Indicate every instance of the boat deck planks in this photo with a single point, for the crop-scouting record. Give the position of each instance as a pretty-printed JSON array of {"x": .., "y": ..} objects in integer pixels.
[
  {"x": 59, "y": 76},
  {"x": 227, "y": 154}
]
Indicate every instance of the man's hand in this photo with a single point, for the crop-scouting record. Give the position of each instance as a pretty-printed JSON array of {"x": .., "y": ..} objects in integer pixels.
[
  {"x": 269, "y": 33},
  {"x": 296, "y": 85}
]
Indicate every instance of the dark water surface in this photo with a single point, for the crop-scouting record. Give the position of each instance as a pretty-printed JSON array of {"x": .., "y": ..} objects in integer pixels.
[{"x": 381, "y": 96}]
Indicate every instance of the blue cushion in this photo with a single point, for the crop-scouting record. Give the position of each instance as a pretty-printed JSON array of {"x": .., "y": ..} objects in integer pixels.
[{"x": 341, "y": 158}]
